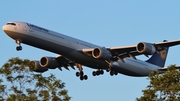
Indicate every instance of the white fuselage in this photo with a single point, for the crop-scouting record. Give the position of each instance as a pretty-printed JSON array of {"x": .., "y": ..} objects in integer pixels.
[{"x": 72, "y": 49}]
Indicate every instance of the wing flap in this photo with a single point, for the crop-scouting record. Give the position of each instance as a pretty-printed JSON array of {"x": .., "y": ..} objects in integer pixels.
[
  {"x": 122, "y": 49},
  {"x": 64, "y": 62}
]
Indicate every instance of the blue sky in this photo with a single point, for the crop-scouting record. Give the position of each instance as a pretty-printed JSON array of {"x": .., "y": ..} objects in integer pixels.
[{"x": 101, "y": 22}]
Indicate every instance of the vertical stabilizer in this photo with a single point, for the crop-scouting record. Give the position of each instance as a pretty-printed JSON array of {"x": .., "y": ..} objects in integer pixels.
[{"x": 159, "y": 57}]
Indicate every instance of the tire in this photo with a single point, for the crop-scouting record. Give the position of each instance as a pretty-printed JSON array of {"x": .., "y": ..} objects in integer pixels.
[
  {"x": 81, "y": 77},
  {"x": 94, "y": 73},
  {"x": 77, "y": 74},
  {"x": 85, "y": 77}
]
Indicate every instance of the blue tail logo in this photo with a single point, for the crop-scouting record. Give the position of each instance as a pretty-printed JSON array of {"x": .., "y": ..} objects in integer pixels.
[{"x": 159, "y": 57}]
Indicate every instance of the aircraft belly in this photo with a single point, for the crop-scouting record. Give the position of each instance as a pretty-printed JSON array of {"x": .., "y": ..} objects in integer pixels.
[
  {"x": 131, "y": 67},
  {"x": 44, "y": 44},
  {"x": 87, "y": 60}
]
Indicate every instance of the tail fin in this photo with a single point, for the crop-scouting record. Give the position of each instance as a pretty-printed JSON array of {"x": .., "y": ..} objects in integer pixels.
[{"x": 159, "y": 57}]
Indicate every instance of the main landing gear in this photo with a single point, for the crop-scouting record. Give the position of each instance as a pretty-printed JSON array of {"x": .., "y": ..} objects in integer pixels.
[
  {"x": 80, "y": 74},
  {"x": 19, "y": 47},
  {"x": 101, "y": 72},
  {"x": 111, "y": 72},
  {"x": 98, "y": 72}
]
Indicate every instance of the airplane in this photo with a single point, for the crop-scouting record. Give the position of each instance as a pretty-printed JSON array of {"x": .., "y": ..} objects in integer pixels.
[{"x": 73, "y": 52}]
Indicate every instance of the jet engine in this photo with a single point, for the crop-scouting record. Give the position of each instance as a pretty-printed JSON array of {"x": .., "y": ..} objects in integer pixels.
[
  {"x": 49, "y": 62},
  {"x": 37, "y": 67},
  {"x": 145, "y": 48},
  {"x": 101, "y": 53}
]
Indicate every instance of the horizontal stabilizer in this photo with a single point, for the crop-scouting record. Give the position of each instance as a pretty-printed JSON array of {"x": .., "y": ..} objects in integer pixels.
[{"x": 166, "y": 68}]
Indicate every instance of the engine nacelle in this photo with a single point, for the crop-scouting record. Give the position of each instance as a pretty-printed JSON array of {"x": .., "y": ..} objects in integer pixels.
[
  {"x": 49, "y": 62},
  {"x": 37, "y": 67},
  {"x": 101, "y": 53},
  {"x": 145, "y": 48}
]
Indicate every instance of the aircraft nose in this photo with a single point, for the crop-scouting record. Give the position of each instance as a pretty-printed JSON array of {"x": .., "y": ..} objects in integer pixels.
[{"x": 4, "y": 27}]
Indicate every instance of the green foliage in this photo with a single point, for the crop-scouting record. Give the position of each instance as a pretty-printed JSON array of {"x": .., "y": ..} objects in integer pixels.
[
  {"x": 19, "y": 83},
  {"x": 163, "y": 86}
]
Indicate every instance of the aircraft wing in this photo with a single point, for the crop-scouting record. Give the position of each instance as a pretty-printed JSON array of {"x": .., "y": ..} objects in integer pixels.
[
  {"x": 52, "y": 63},
  {"x": 64, "y": 62},
  {"x": 131, "y": 50},
  {"x": 168, "y": 43},
  {"x": 122, "y": 49}
]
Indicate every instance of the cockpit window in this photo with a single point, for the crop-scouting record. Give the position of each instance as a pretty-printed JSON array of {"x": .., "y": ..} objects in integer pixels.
[{"x": 11, "y": 24}]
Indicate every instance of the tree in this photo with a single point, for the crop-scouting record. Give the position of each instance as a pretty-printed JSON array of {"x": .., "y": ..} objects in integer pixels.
[
  {"x": 19, "y": 83},
  {"x": 163, "y": 86}
]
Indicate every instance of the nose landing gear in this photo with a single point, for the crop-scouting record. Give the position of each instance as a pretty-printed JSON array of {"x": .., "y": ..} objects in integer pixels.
[{"x": 19, "y": 47}]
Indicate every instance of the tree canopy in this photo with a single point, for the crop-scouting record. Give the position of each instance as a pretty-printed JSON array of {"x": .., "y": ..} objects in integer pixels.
[
  {"x": 19, "y": 83},
  {"x": 163, "y": 86}
]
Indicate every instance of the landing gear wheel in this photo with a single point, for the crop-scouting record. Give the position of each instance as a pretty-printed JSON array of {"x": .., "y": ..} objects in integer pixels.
[
  {"x": 107, "y": 70},
  {"x": 80, "y": 74},
  {"x": 115, "y": 73},
  {"x": 85, "y": 77},
  {"x": 77, "y": 74},
  {"x": 18, "y": 48},
  {"x": 97, "y": 73},
  {"x": 101, "y": 72},
  {"x": 111, "y": 73},
  {"x": 81, "y": 77},
  {"x": 94, "y": 73}
]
